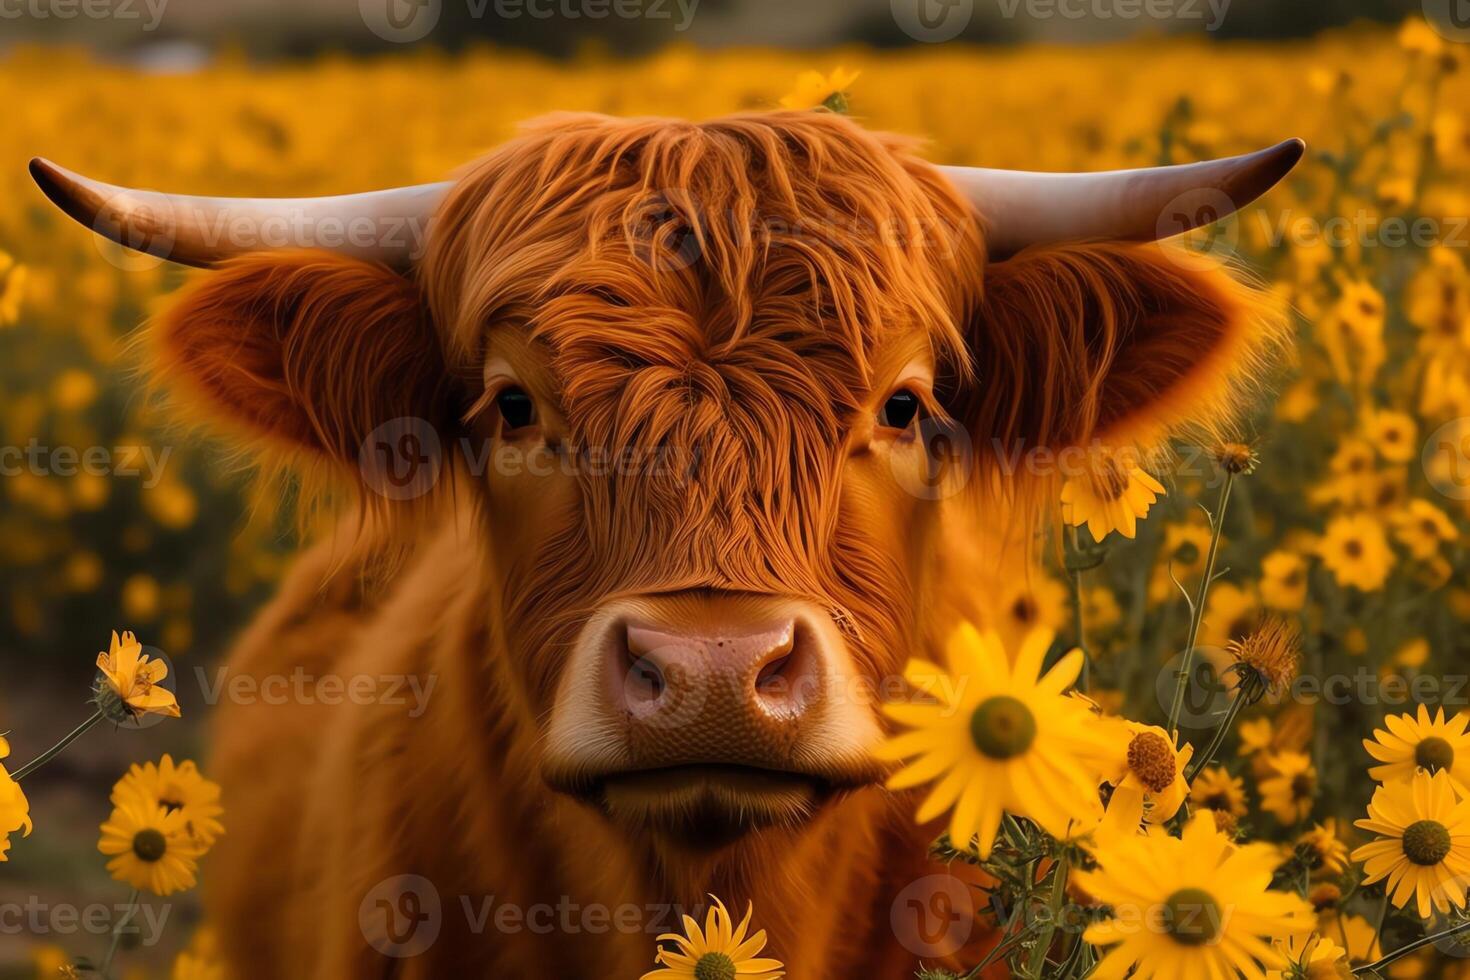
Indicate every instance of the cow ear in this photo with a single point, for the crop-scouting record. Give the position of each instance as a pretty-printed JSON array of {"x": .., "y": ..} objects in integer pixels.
[
  {"x": 1113, "y": 344},
  {"x": 309, "y": 358}
]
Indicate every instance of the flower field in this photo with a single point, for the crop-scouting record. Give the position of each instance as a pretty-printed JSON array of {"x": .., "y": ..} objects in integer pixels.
[{"x": 1319, "y": 565}]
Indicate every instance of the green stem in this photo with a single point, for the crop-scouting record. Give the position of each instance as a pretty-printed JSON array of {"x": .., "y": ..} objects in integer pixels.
[
  {"x": 1242, "y": 696},
  {"x": 117, "y": 933},
  {"x": 1417, "y": 944},
  {"x": 1197, "y": 614},
  {"x": 1084, "y": 677},
  {"x": 1058, "y": 893},
  {"x": 55, "y": 750}
]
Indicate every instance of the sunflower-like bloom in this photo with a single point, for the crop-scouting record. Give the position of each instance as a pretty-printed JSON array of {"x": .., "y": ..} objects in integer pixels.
[
  {"x": 177, "y": 788},
  {"x": 1414, "y": 742},
  {"x": 128, "y": 685},
  {"x": 1111, "y": 496},
  {"x": 1356, "y": 551},
  {"x": 1424, "y": 845},
  {"x": 1147, "y": 776},
  {"x": 15, "y": 809},
  {"x": 999, "y": 738},
  {"x": 1284, "y": 581},
  {"x": 1190, "y": 906},
  {"x": 720, "y": 951},
  {"x": 1423, "y": 528},
  {"x": 1324, "y": 850},
  {"x": 1312, "y": 957},
  {"x": 149, "y": 847},
  {"x": 1216, "y": 790},
  {"x": 813, "y": 89},
  {"x": 1291, "y": 788}
]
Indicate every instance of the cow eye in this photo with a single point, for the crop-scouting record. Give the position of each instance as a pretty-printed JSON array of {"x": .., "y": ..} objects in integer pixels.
[
  {"x": 517, "y": 411},
  {"x": 900, "y": 410}
]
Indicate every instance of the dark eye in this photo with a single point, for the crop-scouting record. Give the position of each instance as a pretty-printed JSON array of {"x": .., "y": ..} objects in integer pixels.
[
  {"x": 900, "y": 410},
  {"x": 517, "y": 411}
]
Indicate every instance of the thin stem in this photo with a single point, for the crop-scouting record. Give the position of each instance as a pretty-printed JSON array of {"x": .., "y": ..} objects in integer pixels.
[
  {"x": 1197, "y": 614},
  {"x": 55, "y": 750},
  {"x": 1084, "y": 677},
  {"x": 1242, "y": 696},
  {"x": 1058, "y": 893},
  {"x": 1417, "y": 944},
  {"x": 117, "y": 933}
]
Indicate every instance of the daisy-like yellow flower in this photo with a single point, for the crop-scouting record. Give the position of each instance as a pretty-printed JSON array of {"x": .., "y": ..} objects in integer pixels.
[
  {"x": 12, "y": 289},
  {"x": 1255, "y": 735},
  {"x": 998, "y": 737},
  {"x": 1111, "y": 496},
  {"x": 720, "y": 951},
  {"x": 1424, "y": 850},
  {"x": 177, "y": 788},
  {"x": 1325, "y": 851},
  {"x": 1147, "y": 775},
  {"x": 1393, "y": 434},
  {"x": 15, "y": 809},
  {"x": 815, "y": 89},
  {"x": 1291, "y": 788},
  {"x": 1190, "y": 906},
  {"x": 1356, "y": 551},
  {"x": 1419, "y": 741},
  {"x": 1359, "y": 937},
  {"x": 1284, "y": 581},
  {"x": 129, "y": 683},
  {"x": 191, "y": 966},
  {"x": 1422, "y": 527},
  {"x": 149, "y": 847},
  {"x": 1216, "y": 790},
  {"x": 1312, "y": 957}
]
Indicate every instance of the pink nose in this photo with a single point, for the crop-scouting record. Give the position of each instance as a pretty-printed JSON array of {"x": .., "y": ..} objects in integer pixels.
[{"x": 733, "y": 694}]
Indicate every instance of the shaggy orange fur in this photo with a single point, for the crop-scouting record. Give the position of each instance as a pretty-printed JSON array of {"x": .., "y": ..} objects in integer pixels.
[{"x": 730, "y": 299}]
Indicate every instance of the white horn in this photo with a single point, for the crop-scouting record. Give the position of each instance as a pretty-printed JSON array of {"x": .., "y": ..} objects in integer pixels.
[
  {"x": 1019, "y": 208},
  {"x": 388, "y": 226}
]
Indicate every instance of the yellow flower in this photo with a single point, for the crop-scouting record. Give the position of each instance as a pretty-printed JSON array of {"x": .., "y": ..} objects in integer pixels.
[
  {"x": 1215, "y": 789},
  {"x": 1268, "y": 657},
  {"x": 1284, "y": 581},
  {"x": 721, "y": 950},
  {"x": 1255, "y": 735},
  {"x": 1100, "y": 610},
  {"x": 1291, "y": 789},
  {"x": 998, "y": 737},
  {"x": 1312, "y": 957},
  {"x": 814, "y": 89},
  {"x": 128, "y": 686},
  {"x": 15, "y": 809},
  {"x": 1352, "y": 334},
  {"x": 149, "y": 847},
  {"x": 13, "y": 279},
  {"x": 1424, "y": 850},
  {"x": 178, "y": 789},
  {"x": 1326, "y": 852},
  {"x": 191, "y": 966},
  {"x": 1231, "y": 614},
  {"x": 1418, "y": 38},
  {"x": 1393, "y": 434},
  {"x": 1112, "y": 496},
  {"x": 1191, "y": 906},
  {"x": 1356, "y": 551},
  {"x": 1147, "y": 774},
  {"x": 1422, "y": 527},
  {"x": 1420, "y": 742},
  {"x": 1360, "y": 938}
]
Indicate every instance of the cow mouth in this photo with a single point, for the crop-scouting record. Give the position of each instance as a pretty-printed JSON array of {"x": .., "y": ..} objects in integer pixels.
[{"x": 705, "y": 807}]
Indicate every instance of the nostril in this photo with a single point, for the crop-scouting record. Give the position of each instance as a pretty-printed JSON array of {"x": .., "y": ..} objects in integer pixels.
[
  {"x": 645, "y": 680},
  {"x": 772, "y": 676}
]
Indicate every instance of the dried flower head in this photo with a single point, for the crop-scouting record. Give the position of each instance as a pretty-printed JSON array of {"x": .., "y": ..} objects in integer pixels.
[
  {"x": 1267, "y": 659},
  {"x": 1236, "y": 458}
]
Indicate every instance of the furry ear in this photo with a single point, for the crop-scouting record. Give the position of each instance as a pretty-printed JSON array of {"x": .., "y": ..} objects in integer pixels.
[
  {"x": 307, "y": 355},
  {"x": 1120, "y": 344}
]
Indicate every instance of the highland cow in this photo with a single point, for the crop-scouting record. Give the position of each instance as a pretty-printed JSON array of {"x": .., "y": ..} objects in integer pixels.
[{"x": 672, "y": 443}]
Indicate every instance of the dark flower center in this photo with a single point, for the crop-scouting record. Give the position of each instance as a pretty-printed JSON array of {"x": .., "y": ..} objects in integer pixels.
[
  {"x": 1002, "y": 727},
  {"x": 714, "y": 966},
  {"x": 1434, "y": 754},
  {"x": 1151, "y": 760},
  {"x": 1191, "y": 917},
  {"x": 149, "y": 844},
  {"x": 1426, "y": 842}
]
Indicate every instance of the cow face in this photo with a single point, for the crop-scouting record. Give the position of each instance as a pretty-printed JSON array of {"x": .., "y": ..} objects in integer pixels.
[{"x": 702, "y": 372}]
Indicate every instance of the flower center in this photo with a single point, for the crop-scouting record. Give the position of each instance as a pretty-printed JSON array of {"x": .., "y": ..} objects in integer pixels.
[
  {"x": 1426, "y": 842},
  {"x": 149, "y": 844},
  {"x": 1151, "y": 760},
  {"x": 1187, "y": 553},
  {"x": 1002, "y": 727},
  {"x": 1353, "y": 549},
  {"x": 1434, "y": 754},
  {"x": 714, "y": 966},
  {"x": 1302, "y": 786},
  {"x": 1191, "y": 917}
]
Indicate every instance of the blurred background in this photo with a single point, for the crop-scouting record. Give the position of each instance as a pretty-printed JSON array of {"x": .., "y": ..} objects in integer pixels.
[{"x": 111, "y": 519}]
